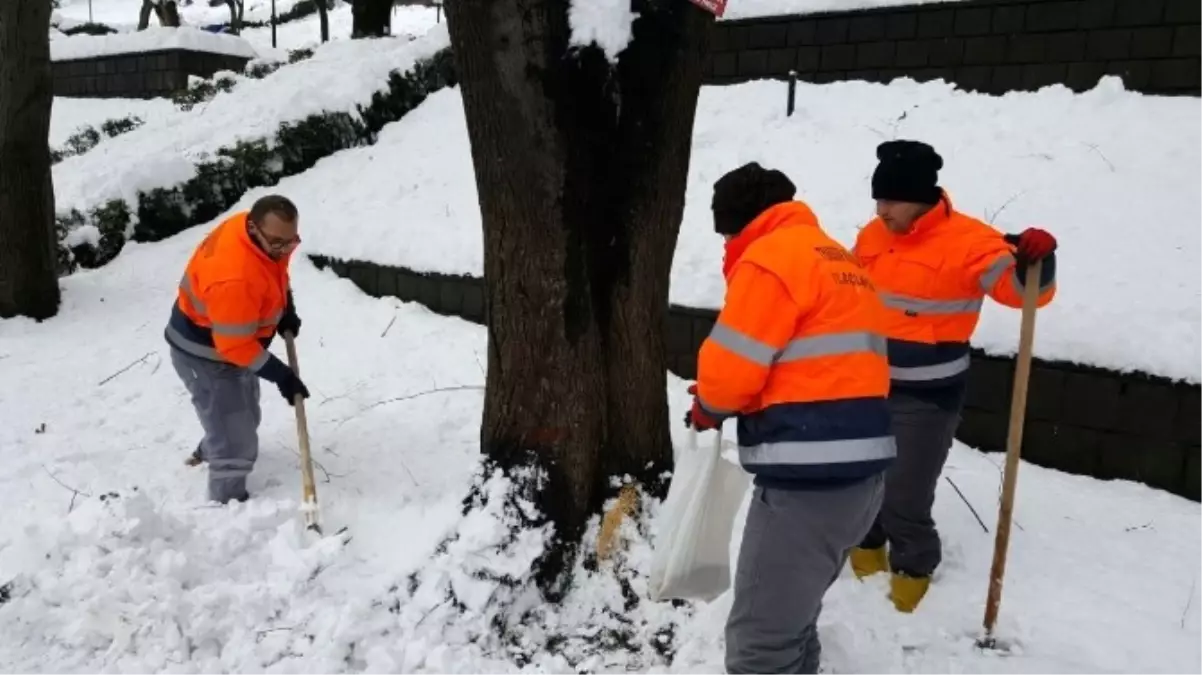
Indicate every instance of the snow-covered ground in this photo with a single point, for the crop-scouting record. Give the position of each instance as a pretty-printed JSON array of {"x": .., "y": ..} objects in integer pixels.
[
  {"x": 1102, "y": 577},
  {"x": 1114, "y": 174},
  {"x": 69, "y": 115}
]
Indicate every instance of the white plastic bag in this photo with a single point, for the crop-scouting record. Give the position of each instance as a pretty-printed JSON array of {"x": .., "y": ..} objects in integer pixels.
[{"x": 691, "y": 560}]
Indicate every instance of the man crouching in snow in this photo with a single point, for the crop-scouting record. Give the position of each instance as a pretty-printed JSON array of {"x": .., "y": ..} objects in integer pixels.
[
  {"x": 798, "y": 356},
  {"x": 933, "y": 266},
  {"x": 233, "y": 298}
]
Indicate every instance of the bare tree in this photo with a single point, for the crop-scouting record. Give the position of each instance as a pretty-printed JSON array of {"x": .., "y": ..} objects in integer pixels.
[
  {"x": 580, "y": 167},
  {"x": 28, "y": 275},
  {"x": 167, "y": 12},
  {"x": 237, "y": 11},
  {"x": 323, "y": 16}
]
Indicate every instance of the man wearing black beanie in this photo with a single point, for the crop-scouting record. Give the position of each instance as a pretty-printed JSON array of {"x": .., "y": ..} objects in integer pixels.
[
  {"x": 933, "y": 266},
  {"x": 798, "y": 356}
]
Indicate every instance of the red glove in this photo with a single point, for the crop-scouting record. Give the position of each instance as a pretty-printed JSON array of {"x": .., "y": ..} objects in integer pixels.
[
  {"x": 697, "y": 417},
  {"x": 1032, "y": 244}
]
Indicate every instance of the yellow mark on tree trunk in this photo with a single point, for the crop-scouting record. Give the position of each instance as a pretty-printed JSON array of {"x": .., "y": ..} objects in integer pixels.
[{"x": 628, "y": 499}]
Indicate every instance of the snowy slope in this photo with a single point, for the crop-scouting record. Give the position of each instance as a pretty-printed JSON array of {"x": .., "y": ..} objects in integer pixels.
[
  {"x": 69, "y": 115},
  {"x": 340, "y": 76},
  {"x": 1102, "y": 576},
  {"x": 1115, "y": 175}
]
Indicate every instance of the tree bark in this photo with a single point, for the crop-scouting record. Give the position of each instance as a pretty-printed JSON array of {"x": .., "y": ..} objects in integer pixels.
[
  {"x": 235, "y": 16},
  {"x": 323, "y": 16},
  {"x": 144, "y": 14},
  {"x": 28, "y": 247},
  {"x": 581, "y": 168},
  {"x": 371, "y": 18},
  {"x": 168, "y": 13}
]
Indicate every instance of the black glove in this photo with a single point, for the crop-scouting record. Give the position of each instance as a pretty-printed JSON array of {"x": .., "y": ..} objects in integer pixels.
[
  {"x": 289, "y": 321},
  {"x": 290, "y": 385}
]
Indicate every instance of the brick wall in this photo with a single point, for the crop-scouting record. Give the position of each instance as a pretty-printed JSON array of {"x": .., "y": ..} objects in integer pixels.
[
  {"x": 991, "y": 46},
  {"x": 1081, "y": 420},
  {"x": 140, "y": 75}
]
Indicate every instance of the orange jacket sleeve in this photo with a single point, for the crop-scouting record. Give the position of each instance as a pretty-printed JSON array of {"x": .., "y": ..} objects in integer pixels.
[
  {"x": 233, "y": 309},
  {"x": 992, "y": 268},
  {"x": 757, "y": 320}
]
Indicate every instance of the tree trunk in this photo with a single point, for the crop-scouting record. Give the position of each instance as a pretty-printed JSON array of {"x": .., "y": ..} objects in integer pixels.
[
  {"x": 28, "y": 247},
  {"x": 168, "y": 13},
  {"x": 581, "y": 169},
  {"x": 323, "y": 15},
  {"x": 371, "y": 18},
  {"x": 235, "y": 16},
  {"x": 144, "y": 14}
]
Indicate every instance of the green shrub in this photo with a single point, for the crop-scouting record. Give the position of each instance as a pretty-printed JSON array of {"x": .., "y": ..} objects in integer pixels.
[
  {"x": 87, "y": 137},
  {"x": 260, "y": 69},
  {"x": 221, "y": 180},
  {"x": 89, "y": 29},
  {"x": 199, "y": 91}
]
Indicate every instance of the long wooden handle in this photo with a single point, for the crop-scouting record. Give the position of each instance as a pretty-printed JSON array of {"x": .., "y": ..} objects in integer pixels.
[
  {"x": 1014, "y": 443},
  {"x": 308, "y": 485}
]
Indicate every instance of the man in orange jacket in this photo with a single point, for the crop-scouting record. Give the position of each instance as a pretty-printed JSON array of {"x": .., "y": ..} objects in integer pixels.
[
  {"x": 933, "y": 267},
  {"x": 233, "y": 298},
  {"x": 798, "y": 356}
]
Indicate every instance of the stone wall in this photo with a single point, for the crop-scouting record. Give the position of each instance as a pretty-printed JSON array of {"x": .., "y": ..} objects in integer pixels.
[
  {"x": 1081, "y": 420},
  {"x": 139, "y": 75},
  {"x": 991, "y": 46}
]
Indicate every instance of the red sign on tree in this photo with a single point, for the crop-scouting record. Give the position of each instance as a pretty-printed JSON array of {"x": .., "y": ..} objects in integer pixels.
[{"x": 715, "y": 7}]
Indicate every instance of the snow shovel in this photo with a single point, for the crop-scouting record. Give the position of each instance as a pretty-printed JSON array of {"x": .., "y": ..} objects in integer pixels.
[
  {"x": 308, "y": 485},
  {"x": 1014, "y": 442}
]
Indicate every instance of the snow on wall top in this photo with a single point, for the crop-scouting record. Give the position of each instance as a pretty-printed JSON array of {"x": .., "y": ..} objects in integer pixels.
[
  {"x": 749, "y": 9},
  {"x": 149, "y": 40}
]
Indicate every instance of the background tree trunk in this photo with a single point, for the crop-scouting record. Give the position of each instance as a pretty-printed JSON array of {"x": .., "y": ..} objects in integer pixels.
[
  {"x": 28, "y": 274},
  {"x": 144, "y": 14},
  {"x": 581, "y": 169},
  {"x": 168, "y": 13},
  {"x": 235, "y": 16},
  {"x": 323, "y": 16},
  {"x": 371, "y": 18}
]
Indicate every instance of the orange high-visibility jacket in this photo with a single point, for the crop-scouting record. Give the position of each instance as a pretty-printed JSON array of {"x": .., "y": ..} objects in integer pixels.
[
  {"x": 230, "y": 298},
  {"x": 933, "y": 281},
  {"x": 798, "y": 354}
]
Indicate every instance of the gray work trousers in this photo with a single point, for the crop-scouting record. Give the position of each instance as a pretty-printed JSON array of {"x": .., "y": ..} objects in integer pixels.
[
  {"x": 794, "y": 545},
  {"x": 924, "y": 433},
  {"x": 226, "y": 399}
]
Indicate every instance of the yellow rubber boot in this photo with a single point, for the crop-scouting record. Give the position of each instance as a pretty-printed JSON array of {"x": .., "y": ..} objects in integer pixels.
[
  {"x": 906, "y": 592},
  {"x": 868, "y": 561}
]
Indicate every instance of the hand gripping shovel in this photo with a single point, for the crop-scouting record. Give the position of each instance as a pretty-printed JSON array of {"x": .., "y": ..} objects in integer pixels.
[
  {"x": 308, "y": 486},
  {"x": 1014, "y": 443}
]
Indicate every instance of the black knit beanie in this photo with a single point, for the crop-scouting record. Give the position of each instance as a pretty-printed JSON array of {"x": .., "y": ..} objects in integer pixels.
[
  {"x": 908, "y": 172},
  {"x": 746, "y": 192}
]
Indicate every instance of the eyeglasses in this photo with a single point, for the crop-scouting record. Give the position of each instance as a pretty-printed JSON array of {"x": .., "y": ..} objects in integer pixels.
[{"x": 276, "y": 243}]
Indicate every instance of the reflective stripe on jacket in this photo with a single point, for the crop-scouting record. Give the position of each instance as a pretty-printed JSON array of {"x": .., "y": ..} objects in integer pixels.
[
  {"x": 230, "y": 298},
  {"x": 933, "y": 281},
  {"x": 798, "y": 354}
]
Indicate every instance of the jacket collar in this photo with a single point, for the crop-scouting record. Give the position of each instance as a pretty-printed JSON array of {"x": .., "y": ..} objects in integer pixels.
[
  {"x": 937, "y": 214},
  {"x": 785, "y": 214}
]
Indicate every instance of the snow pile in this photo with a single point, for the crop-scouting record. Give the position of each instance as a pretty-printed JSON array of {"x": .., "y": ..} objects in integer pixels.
[
  {"x": 607, "y": 23},
  {"x": 123, "y": 583},
  {"x": 476, "y": 600},
  {"x": 154, "y": 39},
  {"x": 750, "y": 9},
  {"x": 341, "y": 76},
  {"x": 1084, "y": 166}
]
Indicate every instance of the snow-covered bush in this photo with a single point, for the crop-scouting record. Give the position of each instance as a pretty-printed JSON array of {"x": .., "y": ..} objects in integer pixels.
[
  {"x": 94, "y": 238},
  {"x": 87, "y": 137},
  {"x": 201, "y": 90},
  {"x": 88, "y": 29}
]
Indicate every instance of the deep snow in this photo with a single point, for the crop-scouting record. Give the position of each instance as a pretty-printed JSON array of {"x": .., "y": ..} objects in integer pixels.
[
  {"x": 154, "y": 38},
  {"x": 1102, "y": 576},
  {"x": 69, "y": 115}
]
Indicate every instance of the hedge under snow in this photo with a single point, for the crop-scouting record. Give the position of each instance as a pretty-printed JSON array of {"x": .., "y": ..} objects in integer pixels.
[{"x": 186, "y": 169}]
